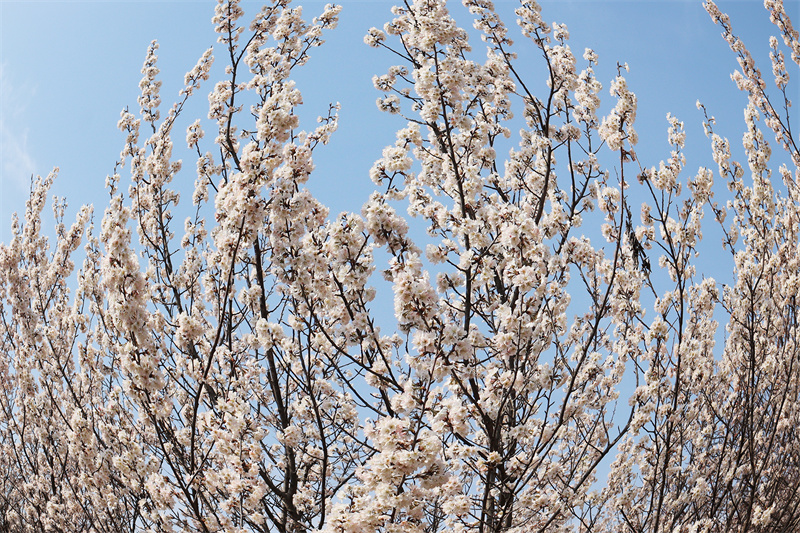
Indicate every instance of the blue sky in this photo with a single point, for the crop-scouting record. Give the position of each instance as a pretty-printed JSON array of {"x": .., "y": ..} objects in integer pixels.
[{"x": 68, "y": 68}]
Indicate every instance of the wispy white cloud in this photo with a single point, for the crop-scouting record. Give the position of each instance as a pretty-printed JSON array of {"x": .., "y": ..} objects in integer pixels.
[{"x": 16, "y": 161}]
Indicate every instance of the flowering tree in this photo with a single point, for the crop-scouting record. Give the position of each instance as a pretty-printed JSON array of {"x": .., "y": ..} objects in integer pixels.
[{"x": 229, "y": 374}]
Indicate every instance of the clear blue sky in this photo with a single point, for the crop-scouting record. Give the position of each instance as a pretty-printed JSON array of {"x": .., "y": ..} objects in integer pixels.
[{"x": 67, "y": 68}]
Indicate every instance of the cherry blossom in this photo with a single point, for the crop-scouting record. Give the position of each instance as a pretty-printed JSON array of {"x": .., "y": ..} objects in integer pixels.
[{"x": 555, "y": 363}]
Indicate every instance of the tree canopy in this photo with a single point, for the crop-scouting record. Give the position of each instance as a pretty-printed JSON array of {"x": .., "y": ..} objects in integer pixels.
[{"x": 215, "y": 362}]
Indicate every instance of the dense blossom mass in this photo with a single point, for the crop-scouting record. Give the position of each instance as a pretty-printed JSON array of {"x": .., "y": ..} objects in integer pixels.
[{"x": 216, "y": 363}]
